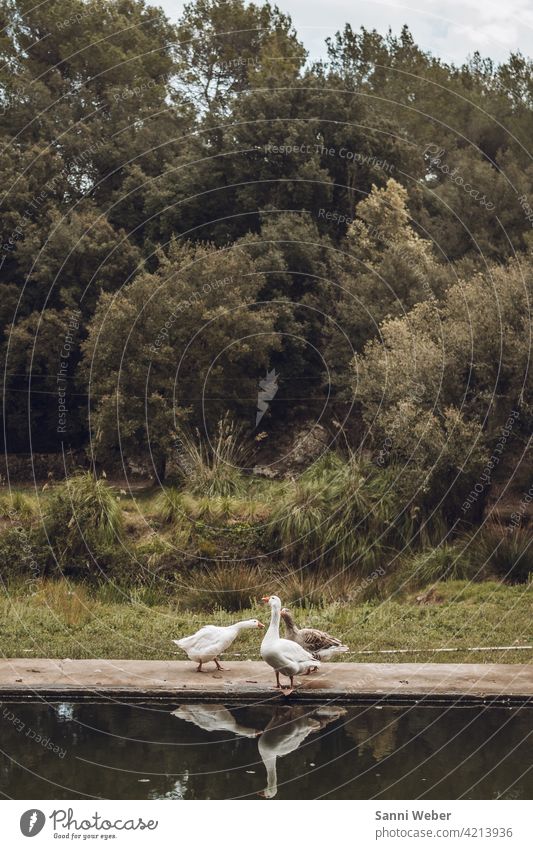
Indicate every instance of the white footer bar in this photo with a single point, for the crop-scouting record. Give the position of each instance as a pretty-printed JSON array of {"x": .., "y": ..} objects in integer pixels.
[{"x": 259, "y": 824}]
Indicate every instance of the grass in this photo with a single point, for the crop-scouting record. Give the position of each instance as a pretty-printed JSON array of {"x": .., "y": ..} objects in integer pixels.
[
  {"x": 212, "y": 468},
  {"x": 19, "y": 503},
  {"x": 340, "y": 511},
  {"x": 83, "y": 511},
  {"x": 506, "y": 553},
  {"x": 193, "y": 558},
  {"x": 59, "y": 619}
]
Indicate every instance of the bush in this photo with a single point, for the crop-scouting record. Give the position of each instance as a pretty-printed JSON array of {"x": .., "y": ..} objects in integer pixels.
[
  {"x": 233, "y": 587},
  {"x": 505, "y": 553},
  {"x": 342, "y": 511},
  {"x": 23, "y": 553},
  {"x": 442, "y": 563},
  {"x": 212, "y": 468},
  {"x": 83, "y": 518}
]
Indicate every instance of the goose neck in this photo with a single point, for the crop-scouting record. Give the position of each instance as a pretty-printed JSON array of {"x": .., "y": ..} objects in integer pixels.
[
  {"x": 273, "y": 628},
  {"x": 290, "y": 624}
]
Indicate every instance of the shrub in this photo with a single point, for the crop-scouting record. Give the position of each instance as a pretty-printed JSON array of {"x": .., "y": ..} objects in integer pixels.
[
  {"x": 442, "y": 563},
  {"x": 23, "y": 553},
  {"x": 83, "y": 517},
  {"x": 341, "y": 511},
  {"x": 506, "y": 554},
  {"x": 212, "y": 468},
  {"x": 232, "y": 586}
]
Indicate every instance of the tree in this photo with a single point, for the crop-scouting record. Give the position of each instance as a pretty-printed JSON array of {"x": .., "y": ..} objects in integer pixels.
[
  {"x": 443, "y": 380},
  {"x": 43, "y": 406},
  {"x": 220, "y": 44},
  {"x": 296, "y": 262},
  {"x": 188, "y": 341},
  {"x": 384, "y": 269}
]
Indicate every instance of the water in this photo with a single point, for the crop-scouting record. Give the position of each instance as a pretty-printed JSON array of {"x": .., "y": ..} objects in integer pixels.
[{"x": 159, "y": 750}]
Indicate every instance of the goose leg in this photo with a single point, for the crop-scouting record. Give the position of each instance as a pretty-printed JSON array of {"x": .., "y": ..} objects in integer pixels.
[
  {"x": 290, "y": 689},
  {"x": 278, "y": 685},
  {"x": 222, "y": 668},
  {"x": 199, "y": 667}
]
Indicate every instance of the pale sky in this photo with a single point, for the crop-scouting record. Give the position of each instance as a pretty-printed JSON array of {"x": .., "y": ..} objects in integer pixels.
[{"x": 452, "y": 29}]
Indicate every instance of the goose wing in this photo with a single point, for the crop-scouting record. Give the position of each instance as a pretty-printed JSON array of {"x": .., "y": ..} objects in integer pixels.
[
  {"x": 315, "y": 640},
  {"x": 293, "y": 651}
]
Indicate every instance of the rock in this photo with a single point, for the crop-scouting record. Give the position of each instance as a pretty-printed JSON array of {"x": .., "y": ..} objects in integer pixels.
[
  {"x": 308, "y": 445},
  {"x": 265, "y": 472},
  {"x": 431, "y": 596}
]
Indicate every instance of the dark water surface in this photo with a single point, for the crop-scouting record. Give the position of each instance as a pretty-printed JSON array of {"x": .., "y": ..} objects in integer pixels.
[{"x": 207, "y": 751}]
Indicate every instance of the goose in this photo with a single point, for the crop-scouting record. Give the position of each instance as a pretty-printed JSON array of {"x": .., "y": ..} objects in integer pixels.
[
  {"x": 285, "y": 732},
  {"x": 284, "y": 656},
  {"x": 321, "y": 645},
  {"x": 212, "y": 640},
  {"x": 214, "y": 718}
]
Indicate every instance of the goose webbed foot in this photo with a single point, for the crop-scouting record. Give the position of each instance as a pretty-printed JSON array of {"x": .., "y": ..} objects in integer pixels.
[
  {"x": 222, "y": 668},
  {"x": 291, "y": 688}
]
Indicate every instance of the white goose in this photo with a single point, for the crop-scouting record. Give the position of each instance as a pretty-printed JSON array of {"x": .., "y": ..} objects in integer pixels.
[
  {"x": 212, "y": 640},
  {"x": 214, "y": 718},
  {"x": 285, "y": 732},
  {"x": 284, "y": 656}
]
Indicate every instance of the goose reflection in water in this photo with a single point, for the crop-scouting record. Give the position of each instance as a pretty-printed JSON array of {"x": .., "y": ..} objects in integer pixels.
[
  {"x": 214, "y": 718},
  {"x": 286, "y": 731}
]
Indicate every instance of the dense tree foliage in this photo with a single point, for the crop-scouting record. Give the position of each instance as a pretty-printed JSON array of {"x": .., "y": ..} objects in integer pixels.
[{"x": 191, "y": 206}]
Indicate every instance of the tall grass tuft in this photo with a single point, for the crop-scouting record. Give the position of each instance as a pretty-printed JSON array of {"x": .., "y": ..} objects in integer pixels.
[
  {"x": 443, "y": 563},
  {"x": 341, "y": 512},
  {"x": 213, "y": 468},
  {"x": 504, "y": 553},
  {"x": 171, "y": 506},
  {"x": 239, "y": 586},
  {"x": 233, "y": 587},
  {"x": 72, "y": 604},
  {"x": 83, "y": 513},
  {"x": 308, "y": 588},
  {"x": 18, "y": 503}
]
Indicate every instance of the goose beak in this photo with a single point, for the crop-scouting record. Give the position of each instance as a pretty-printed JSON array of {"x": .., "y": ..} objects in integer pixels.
[
  {"x": 266, "y": 599},
  {"x": 260, "y": 625}
]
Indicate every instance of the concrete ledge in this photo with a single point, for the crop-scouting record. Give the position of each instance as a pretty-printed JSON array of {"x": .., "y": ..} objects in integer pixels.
[{"x": 21, "y": 678}]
